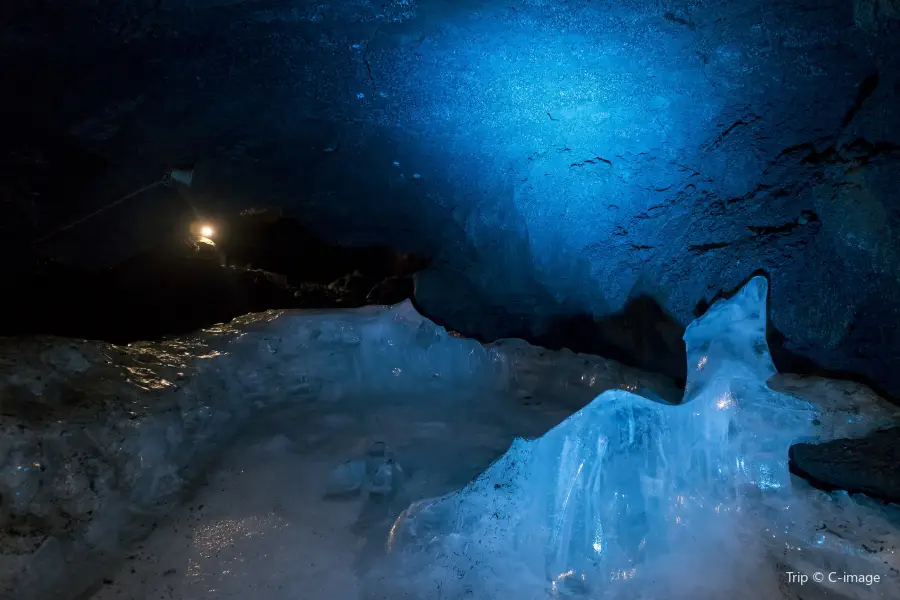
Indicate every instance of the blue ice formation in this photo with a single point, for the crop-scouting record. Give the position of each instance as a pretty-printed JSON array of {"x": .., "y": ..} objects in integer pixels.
[{"x": 630, "y": 498}]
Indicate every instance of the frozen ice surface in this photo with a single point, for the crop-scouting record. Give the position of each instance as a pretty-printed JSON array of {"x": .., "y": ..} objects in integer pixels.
[
  {"x": 99, "y": 441},
  {"x": 631, "y": 498}
]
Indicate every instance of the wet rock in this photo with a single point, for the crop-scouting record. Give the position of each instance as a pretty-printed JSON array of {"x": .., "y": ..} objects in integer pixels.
[
  {"x": 869, "y": 465},
  {"x": 856, "y": 407},
  {"x": 863, "y": 454}
]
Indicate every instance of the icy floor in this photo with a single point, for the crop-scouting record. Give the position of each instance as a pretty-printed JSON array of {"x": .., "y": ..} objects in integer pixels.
[
  {"x": 629, "y": 499},
  {"x": 261, "y": 526}
]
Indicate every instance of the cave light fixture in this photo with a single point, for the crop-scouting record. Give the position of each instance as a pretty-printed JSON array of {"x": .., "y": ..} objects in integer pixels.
[{"x": 204, "y": 232}]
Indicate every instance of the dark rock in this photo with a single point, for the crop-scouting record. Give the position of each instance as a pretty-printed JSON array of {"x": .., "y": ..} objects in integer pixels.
[
  {"x": 391, "y": 291},
  {"x": 283, "y": 245},
  {"x": 184, "y": 286},
  {"x": 870, "y": 465}
]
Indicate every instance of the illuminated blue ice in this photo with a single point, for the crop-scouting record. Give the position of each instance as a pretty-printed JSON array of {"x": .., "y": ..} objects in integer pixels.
[{"x": 630, "y": 498}]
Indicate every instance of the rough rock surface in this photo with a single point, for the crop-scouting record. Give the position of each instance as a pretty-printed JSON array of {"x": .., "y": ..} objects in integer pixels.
[
  {"x": 870, "y": 465},
  {"x": 561, "y": 159},
  {"x": 854, "y": 406}
]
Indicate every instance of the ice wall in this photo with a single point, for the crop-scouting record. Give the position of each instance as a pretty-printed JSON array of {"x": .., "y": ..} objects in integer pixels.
[{"x": 631, "y": 498}]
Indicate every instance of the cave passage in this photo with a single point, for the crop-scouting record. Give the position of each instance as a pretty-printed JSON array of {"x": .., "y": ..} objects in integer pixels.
[
  {"x": 581, "y": 174},
  {"x": 379, "y": 299}
]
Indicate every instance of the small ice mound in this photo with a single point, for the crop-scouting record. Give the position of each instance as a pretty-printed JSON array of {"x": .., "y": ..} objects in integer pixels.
[
  {"x": 377, "y": 475},
  {"x": 629, "y": 498}
]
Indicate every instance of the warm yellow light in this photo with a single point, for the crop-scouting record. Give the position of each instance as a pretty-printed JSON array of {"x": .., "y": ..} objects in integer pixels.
[{"x": 207, "y": 231}]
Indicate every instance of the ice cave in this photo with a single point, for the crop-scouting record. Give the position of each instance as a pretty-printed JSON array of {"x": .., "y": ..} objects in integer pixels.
[{"x": 450, "y": 300}]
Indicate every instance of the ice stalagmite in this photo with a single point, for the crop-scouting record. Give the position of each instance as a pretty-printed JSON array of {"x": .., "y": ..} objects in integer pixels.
[{"x": 630, "y": 498}]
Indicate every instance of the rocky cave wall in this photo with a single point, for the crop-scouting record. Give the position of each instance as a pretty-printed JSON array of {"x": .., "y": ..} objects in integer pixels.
[{"x": 563, "y": 162}]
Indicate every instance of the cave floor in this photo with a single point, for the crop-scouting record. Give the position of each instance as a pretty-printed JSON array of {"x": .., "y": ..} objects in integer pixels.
[{"x": 261, "y": 525}]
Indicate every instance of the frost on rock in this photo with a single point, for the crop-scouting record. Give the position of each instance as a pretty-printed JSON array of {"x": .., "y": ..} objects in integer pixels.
[{"x": 631, "y": 498}]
